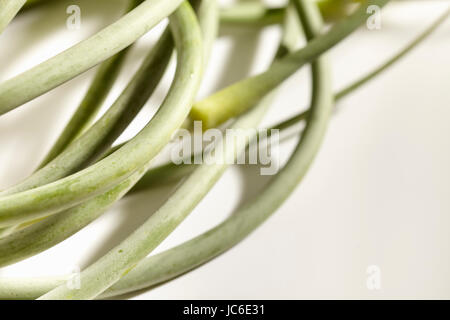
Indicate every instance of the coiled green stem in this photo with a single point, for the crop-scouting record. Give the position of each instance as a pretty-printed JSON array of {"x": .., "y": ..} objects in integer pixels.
[
  {"x": 84, "y": 55},
  {"x": 241, "y": 96},
  {"x": 52, "y": 230},
  {"x": 109, "y": 269},
  {"x": 8, "y": 10}
]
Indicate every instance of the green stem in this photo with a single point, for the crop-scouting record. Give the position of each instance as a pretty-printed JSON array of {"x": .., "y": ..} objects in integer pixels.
[
  {"x": 120, "y": 260},
  {"x": 124, "y": 257},
  {"x": 173, "y": 262},
  {"x": 395, "y": 58},
  {"x": 208, "y": 17},
  {"x": 170, "y": 173},
  {"x": 257, "y": 14},
  {"x": 34, "y": 3},
  {"x": 164, "y": 266},
  {"x": 84, "y": 55},
  {"x": 203, "y": 248},
  {"x": 89, "y": 106},
  {"x": 372, "y": 74},
  {"x": 244, "y": 94},
  {"x": 52, "y": 230},
  {"x": 105, "y": 174},
  {"x": 8, "y": 10},
  {"x": 92, "y": 101},
  {"x": 96, "y": 94},
  {"x": 105, "y": 131},
  {"x": 253, "y": 14}
]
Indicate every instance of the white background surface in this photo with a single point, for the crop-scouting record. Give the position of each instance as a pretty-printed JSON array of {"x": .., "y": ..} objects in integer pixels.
[{"x": 378, "y": 193}]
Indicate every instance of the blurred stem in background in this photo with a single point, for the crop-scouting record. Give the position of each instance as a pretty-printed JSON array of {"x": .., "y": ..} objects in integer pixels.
[
  {"x": 257, "y": 208},
  {"x": 8, "y": 10},
  {"x": 254, "y": 13},
  {"x": 171, "y": 173},
  {"x": 89, "y": 107}
]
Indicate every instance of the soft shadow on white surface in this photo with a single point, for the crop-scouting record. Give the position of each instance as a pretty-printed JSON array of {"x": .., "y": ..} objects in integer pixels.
[
  {"x": 377, "y": 193},
  {"x": 27, "y": 132},
  {"x": 240, "y": 58},
  {"x": 133, "y": 211},
  {"x": 46, "y": 21},
  {"x": 136, "y": 210}
]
